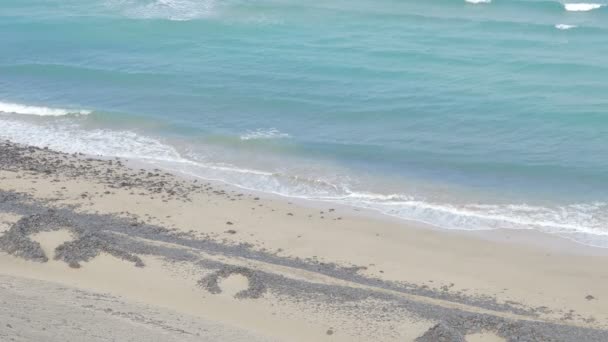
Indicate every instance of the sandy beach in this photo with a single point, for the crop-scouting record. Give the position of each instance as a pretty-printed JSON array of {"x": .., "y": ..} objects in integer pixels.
[{"x": 106, "y": 250}]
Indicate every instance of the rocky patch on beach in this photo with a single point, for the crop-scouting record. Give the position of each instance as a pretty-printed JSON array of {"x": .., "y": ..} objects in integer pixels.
[
  {"x": 256, "y": 286},
  {"x": 88, "y": 244},
  {"x": 132, "y": 240},
  {"x": 112, "y": 172}
]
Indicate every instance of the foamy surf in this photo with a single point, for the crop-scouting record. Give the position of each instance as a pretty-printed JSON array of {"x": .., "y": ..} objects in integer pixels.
[
  {"x": 582, "y": 7},
  {"x": 15, "y": 108},
  {"x": 565, "y": 26},
  {"x": 476, "y": 2},
  {"x": 583, "y": 222},
  {"x": 271, "y": 133},
  {"x": 174, "y": 10}
]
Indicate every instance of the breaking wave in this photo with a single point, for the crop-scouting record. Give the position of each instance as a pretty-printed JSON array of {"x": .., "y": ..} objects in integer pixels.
[
  {"x": 15, "y": 108},
  {"x": 271, "y": 133},
  {"x": 175, "y": 10},
  {"x": 565, "y": 26},
  {"x": 582, "y": 7}
]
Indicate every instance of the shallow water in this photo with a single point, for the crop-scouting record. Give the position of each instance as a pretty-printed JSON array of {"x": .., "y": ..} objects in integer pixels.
[{"x": 462, "y": 114}]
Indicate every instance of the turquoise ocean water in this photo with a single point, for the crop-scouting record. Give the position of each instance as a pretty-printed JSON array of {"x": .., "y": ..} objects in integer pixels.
[{"x": 463, "y": 114}]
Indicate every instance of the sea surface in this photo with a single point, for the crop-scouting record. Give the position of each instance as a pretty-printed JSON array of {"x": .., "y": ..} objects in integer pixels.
[{"x": 469, "y": 115}]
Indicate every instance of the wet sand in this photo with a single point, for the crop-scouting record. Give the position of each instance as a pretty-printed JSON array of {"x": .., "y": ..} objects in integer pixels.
[{"x": 237, "y": 265}]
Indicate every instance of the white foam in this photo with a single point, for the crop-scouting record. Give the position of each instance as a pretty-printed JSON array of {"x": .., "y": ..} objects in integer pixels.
[
  {"x": 70, "y": 138},
  {"x": 565, "y": 26},
  {"x": 582, "y": 7},
  {"x": 475, "y": 2},
  {"x": 271, "y": 133},
  {"x": 175, "y": 10},
  {"x": 582, "y": 222},
  {"x": 15, "y": 108}
]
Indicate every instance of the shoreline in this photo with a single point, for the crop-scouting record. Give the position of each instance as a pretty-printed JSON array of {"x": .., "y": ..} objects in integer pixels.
[
  {"x": 182, "y": 244},
  {"x": 447, "y": 205},
  {"x": 528, "y": 237}
]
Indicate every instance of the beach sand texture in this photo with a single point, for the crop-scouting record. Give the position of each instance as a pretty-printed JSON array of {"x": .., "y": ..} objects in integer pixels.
[{"x": 102, "y": 250}]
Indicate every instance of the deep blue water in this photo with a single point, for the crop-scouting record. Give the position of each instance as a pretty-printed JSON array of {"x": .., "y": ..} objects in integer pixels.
[{"x": 465, "y": 116}]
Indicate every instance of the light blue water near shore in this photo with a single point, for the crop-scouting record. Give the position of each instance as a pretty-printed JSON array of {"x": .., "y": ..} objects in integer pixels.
[{"x": 465, "y": 115}]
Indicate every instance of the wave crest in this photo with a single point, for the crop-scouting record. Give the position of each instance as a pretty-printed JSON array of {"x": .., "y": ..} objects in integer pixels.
[
  {"x": 582, "y": 7},
  {"x": 271, "y": 133},
  {"x": 15, "y": 108},
  {"x": 565, "y": 26},
  {"x": 175, "y": 10}
]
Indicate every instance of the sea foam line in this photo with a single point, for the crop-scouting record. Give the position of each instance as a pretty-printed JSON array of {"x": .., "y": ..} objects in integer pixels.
[
  {"x": 15, "y": 108},
  {"x": 582, "y": 7},
  {"x": 475, "y": 2}
]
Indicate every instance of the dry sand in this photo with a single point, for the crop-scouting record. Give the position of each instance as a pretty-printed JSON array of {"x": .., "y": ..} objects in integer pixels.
[{"x": 192, "y": 259}]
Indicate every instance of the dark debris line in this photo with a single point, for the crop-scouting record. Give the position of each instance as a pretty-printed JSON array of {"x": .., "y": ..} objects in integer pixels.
[{"x": 118, "y": 236}]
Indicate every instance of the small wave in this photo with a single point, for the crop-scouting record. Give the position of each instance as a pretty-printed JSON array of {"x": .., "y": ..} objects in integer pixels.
[
  {"x": 272, "y": 133},
  {"x": 174, "y": 10},
  {"x": 475, "y": 2},
  {"x": 69, "y": 137},
  {"x": 15, "y": 108},
  {"x": 565, "y": 26},
  {"x": 582, "y": 7}
]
